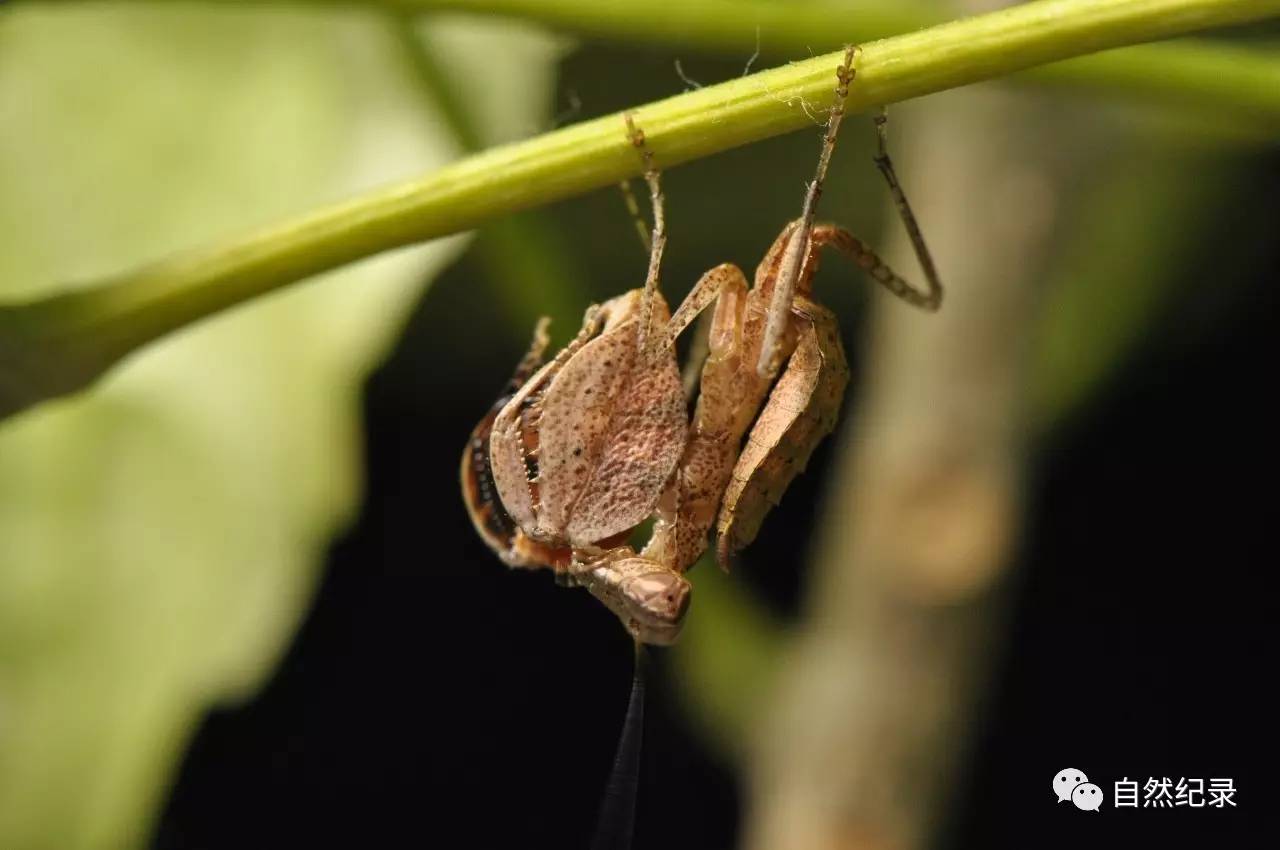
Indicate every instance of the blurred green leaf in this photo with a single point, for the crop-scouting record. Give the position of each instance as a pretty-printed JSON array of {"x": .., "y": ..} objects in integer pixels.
[{"x": 159, "y": 537}]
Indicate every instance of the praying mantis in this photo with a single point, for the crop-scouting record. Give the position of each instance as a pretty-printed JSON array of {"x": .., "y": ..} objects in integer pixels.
[{"x": 585, "y": 447}]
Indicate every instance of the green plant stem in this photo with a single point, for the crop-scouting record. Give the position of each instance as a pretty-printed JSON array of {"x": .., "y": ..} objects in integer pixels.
[
  {"x": 1242, "y": 82},
  {"x": 62, "y": 343}
]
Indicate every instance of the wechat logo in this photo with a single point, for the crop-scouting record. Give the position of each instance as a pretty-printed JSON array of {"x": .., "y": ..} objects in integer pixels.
[{"x": 1073, "y": 785}]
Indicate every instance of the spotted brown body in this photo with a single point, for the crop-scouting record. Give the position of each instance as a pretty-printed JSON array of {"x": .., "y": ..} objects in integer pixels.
[{"x": 586, "y": 447}]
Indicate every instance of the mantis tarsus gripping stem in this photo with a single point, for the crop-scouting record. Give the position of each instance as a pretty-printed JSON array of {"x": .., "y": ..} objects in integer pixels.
[{"x": 658, "y": 238}]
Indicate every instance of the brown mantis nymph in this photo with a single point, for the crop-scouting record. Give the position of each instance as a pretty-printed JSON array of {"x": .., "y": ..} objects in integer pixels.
[{"x": 596, "y": 441}]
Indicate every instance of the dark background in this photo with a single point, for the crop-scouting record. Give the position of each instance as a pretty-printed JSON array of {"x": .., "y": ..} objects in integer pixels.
[{"x": 433, "y": 698}]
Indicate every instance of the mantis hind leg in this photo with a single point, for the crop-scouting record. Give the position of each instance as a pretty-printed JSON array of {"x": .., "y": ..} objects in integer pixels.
[
  {"x": 822, "y": 235},
  {"x": 869, "y": 261},
  {"x": 931, "y": 298}
]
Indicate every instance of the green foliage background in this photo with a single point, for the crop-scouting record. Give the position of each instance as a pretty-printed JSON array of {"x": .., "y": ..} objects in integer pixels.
[{"x": 160, "y": 535}]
